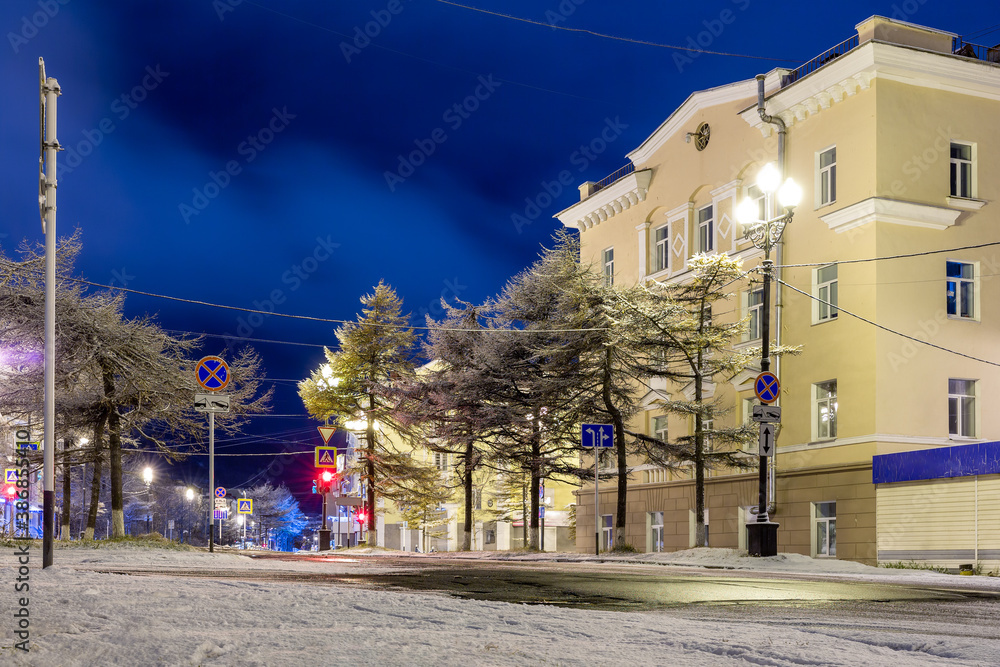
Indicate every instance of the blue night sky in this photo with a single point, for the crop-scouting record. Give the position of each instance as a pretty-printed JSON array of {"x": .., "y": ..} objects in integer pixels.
[{"x": 247, "y": 153}]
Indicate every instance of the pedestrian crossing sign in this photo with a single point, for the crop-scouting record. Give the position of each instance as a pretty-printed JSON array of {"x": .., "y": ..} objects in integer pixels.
[
  {"x": 10, "y": 475},
  {"x": 326, "y": 457},
  {"x": 244, "y": 505}
]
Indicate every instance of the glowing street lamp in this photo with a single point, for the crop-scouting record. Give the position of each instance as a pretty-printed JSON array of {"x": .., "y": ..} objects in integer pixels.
[{"x": 765, "y": 234}]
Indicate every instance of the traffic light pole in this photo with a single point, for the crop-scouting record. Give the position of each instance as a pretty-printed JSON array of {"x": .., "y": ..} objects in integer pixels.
[
  {"x": 211, "y": 481},
  {"x": 324, "y": 532}
]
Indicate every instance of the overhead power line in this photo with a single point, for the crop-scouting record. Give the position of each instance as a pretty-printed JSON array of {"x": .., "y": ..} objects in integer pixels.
[
  {"x": 885, "y": 328},
  {"x": 879, "y": 259},
  {"x": 327, "y": 320},
  {"x": 615, "y": 37}
]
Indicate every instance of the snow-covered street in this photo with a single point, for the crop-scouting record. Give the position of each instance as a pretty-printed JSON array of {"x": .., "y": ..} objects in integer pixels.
[{"x": 79, "y": 616}]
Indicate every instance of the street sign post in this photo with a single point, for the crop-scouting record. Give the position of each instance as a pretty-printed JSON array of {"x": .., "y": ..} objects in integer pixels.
[
  {"x": 326, "y": 457},
  {"x": 211, "y": 403},
  {"x": 766, "y": 442},
  {"x": 212, "y": 373},
  {"x": 767, "y": 413},
  {"x": 326, "y": 432},
  {"x": 599, "y": 435},
  {"x": 766, "y": 387}
]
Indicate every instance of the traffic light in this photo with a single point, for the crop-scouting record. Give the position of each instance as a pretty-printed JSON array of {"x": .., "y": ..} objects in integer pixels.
[
  {"x": 325, "y": 482},
  {"x": 11, "y": 492},
  {"x": 314, "y": 487},
  {"x": 362, "y": 516}
]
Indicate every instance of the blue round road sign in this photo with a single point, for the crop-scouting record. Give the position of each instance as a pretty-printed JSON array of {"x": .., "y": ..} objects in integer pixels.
[
  {"x": 212, "y": 373},
  {"x": 766, "y": 387}
]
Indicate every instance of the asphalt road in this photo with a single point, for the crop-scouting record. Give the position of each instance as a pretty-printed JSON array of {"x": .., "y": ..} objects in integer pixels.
[{"x": 618, "y": 586}]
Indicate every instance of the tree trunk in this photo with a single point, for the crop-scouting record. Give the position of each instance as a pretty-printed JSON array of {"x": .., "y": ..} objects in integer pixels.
[
  {"x": 114, "y": 455},
  {"x": 619, "y": 424},
  {"x": 699, "y": 461},
  {"x": 95, "y": 485},
  {"x": 67, "y": 490},
  {"x": 536, "y": 474},
  {"x": 470, "y": 452}
]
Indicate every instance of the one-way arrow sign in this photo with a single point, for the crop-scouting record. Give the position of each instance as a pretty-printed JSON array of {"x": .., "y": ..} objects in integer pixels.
[{"x": 767, "y": 440}]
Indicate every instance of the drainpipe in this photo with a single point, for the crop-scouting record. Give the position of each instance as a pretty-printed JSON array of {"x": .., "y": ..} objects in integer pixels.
[{"x": 778, "y": 300}]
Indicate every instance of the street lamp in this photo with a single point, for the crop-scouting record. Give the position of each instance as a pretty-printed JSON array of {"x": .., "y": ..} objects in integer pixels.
[
  {"x": 765, "y": 234},
  {"x": 147, "y": 477}
]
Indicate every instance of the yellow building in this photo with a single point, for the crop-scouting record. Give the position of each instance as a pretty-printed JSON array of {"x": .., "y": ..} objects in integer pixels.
[{"x": 893, "y": 136}]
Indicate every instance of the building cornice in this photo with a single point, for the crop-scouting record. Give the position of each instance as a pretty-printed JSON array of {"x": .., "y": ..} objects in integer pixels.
[
  {"x": 607, "y": 202},
  {"x": 854, "y": 71},
  {"x": 893, "y": 211}
]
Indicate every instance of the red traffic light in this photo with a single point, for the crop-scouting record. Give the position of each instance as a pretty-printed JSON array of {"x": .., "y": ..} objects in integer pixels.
[
  {"x": 327, "y": 476},
  {"x": 11, "y": 491},
  {"x": 361, "y": 516}
]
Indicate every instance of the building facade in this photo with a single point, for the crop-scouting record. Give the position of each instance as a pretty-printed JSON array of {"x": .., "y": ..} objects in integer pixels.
[{"x": 893, "y": 137}]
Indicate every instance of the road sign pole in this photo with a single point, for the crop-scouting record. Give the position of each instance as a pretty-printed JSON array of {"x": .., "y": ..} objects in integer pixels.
[
  {"x": 597, "y": 514},
  {"x": 211, "y": 477}
]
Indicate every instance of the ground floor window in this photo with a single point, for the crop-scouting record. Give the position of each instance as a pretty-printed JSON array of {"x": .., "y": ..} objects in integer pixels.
[
  {"x": 655, "y": 531},
  {"x": 825, "y": 523},
  {"x": 607, "y": 532}
]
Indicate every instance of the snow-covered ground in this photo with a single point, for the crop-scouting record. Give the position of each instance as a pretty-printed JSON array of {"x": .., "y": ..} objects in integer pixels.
[{"x": 79, "y": 616}]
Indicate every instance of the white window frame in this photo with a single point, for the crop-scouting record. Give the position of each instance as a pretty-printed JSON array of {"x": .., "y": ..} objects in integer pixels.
[
  {"x": 661, "y": 248},
  {"x": 823, "y": 290},
  {"x": 660, "y": 428},
  {"x": 654, "y": 530},
  {"x": 829, "y": 549},
  {"x": 753, "y": 312},
  {"x": 706, "y": 229},
  {"x": 959, "y": 281},
  {"x": 607, "y": 532},
  {"x": 825, "y": 405},
  {"x": 826, "y": 175},
  {"x": 608, "y": 257},
  {"x": 957, "y": 401},
  {"x": 955, "y": 174},
  {"x": 748, "y": 404},
  {"x": 441, "y": 460}
]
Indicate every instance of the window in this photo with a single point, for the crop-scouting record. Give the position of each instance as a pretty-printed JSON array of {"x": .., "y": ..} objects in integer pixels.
[
  {"x": 441, "y": 461},
  {"x": 607, "y": 533},
  {"x": 748, "y": 404},
  {"x": 609, "y": 266},
  {"x": 826, "y": 292},
  {"x": 825, "y": 409},
  {"x": 962, "y": 408},
  {"x": 961, "y": 171},
  {"x": 660, "y": 235},
  {"x": 660, "y": 428},
  {"x": 755, "y": 310},
  {"x": 757, "y": 196},
  {"x": 825, "y": 527},
  {"x": 706, "y": 233},
  {"x": 961, "y": 289},
  {"x": 655, "y": 531},
  {"x": 826, "y": 177}
]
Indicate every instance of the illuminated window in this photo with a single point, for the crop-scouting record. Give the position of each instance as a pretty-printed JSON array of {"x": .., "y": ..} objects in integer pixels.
[
  {"x": 825, "y": 409},
  {"x": 706, "y": 230},
  {"x": 961, "y": 289}
]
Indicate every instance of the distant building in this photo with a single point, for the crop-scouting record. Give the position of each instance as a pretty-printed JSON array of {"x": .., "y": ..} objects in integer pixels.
[{"x": 893, "y": 136}]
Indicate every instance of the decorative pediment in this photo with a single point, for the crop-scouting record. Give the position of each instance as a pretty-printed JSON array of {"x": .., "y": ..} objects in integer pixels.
[{"x": 607, "y": 202}]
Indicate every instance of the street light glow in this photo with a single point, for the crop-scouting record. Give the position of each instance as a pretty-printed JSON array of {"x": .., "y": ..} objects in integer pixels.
[
  {"x": 147, "y": 475},
  {"x": 189, "y": 494},
  {"x": 790, "y": 194},
  {"x": 769, "y": 178}
]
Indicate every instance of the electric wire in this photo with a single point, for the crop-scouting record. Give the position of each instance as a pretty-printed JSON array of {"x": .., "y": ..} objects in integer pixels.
[
  {"x": 614, "y": 37},
  {"x": 885, "y": 328},
  {"x": 877, "y": 259},
  {"x": 327, "y": 320}
]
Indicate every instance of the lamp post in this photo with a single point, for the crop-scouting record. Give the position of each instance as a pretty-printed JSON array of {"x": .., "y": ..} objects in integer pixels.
[
  {"x": 762, "y": 536},
  {"x": 147, "y": 477},
  {"x": 189, "y": 494}
]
